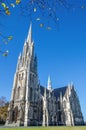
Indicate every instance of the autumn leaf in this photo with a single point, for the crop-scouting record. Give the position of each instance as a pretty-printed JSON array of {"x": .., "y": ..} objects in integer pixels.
[
  {"x": 6, "y": 8},
  {"x": 10, "y": 38},
  {"x": 7, "y": 11},
  {"x": 4, "y": 5},
  {"x": 18, "y": 1}
]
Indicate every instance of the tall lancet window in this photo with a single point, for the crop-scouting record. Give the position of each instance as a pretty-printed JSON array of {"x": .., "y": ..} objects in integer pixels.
[{"x": 18, "y": 94}]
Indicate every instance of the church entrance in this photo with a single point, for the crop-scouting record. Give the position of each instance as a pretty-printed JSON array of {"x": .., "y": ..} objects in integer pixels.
[{"x": 15, "y": 114}]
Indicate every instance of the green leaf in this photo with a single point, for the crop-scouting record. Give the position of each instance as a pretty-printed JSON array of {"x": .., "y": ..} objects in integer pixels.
[{"x": 4, "y": 5}]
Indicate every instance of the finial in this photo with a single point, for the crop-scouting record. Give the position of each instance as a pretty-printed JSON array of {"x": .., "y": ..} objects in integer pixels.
[
  {"x": 49, "y": 86},
  {"x": 29, "y": 37}
]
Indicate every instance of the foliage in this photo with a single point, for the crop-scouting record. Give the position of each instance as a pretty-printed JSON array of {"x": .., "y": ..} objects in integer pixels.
[
  {"x": 3, "y": 114},
  {"x": 5, "y": 7},
  {"x": 43, "y": 11},
  {"x": 46, "y": 12},
  {"x": 5, "y": 40},
  {"x": 3, "y": 110}
]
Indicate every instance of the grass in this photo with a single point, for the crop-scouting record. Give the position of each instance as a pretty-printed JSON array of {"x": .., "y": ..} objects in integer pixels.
[{"x": 46, "y": 128}]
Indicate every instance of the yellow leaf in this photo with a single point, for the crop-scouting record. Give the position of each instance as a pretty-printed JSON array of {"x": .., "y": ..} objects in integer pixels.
[
  {"x": 18, "y": 1},
  {"x": 10, "y": 37},
  {"x": 7, "y": 11},
  {"x": 4, "y": 5}
]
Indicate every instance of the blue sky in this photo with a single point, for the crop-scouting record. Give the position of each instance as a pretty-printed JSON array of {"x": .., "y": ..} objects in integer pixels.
[{"x": 61, "y": 51}]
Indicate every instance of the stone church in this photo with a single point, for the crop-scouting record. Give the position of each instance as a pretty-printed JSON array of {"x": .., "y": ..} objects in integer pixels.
[{"x": 32, "y": 104}]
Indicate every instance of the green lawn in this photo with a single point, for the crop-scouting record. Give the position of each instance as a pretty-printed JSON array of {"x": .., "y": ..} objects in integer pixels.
[{"x": 46, "y": 128}]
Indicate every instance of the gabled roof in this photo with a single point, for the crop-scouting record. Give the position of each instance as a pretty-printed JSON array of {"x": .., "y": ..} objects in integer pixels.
[{"x": 57, "y": 91}]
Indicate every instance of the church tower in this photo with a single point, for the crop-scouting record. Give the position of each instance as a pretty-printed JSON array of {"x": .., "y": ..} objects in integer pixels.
[{"x": 23, "y": 106}]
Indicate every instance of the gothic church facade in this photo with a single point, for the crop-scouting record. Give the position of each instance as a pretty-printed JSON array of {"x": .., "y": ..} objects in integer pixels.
[{"x": 33, "y": 104}]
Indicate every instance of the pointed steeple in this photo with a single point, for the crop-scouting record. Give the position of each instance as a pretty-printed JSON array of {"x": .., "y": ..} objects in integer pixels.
[
  {"x": 29, "y": 37},
  {"x": 49, "y": 86}
]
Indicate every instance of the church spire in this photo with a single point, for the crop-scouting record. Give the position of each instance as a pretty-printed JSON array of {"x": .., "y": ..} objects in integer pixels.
[
  {"x": 29, "y": 37},
  {"x": 49, "y": 86}
]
